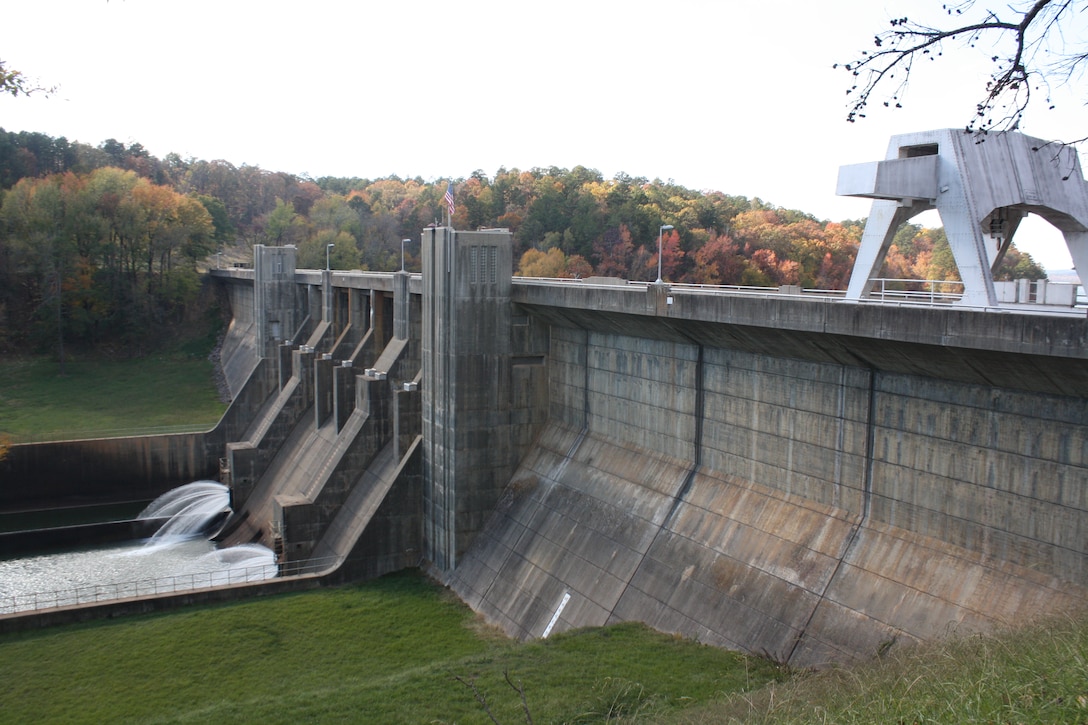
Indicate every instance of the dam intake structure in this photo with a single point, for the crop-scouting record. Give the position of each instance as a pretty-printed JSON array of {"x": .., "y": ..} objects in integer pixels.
[{"x": 809, "y": 476}]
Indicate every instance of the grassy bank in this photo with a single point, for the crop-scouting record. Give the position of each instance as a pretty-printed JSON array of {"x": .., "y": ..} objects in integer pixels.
[
  {"x": 1033, "y": 675},
  {"x": 98, "y": 397},
  {"x": 395, "y": 650},
  {"x": 403, "y": 650}
]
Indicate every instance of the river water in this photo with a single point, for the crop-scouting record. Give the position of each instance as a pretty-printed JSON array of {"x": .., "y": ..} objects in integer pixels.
[{"x": 126, "y": 570}]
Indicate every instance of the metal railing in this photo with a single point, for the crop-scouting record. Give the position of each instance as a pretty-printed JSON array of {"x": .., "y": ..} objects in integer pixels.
[
  {"x": 160, "y": 586},
  {"x": 936, "y": 291}
]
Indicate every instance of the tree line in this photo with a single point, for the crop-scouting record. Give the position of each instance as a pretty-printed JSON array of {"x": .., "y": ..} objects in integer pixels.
[{"x": 100, "y": 243}]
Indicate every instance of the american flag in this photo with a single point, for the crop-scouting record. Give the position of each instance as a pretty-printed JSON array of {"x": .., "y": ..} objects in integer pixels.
[{"x": 449, "y": 199}]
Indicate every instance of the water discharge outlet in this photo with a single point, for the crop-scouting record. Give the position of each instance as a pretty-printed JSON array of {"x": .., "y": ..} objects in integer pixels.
[{"x": 198, "y": 509}]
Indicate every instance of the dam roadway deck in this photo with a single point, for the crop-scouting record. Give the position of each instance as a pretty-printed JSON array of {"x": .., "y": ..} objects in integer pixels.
[{"x": 922, "y": 338}]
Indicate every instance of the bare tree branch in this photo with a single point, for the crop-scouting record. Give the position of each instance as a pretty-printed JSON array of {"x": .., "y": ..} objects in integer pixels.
[
  {"x": 520, "y": 689},
  {"x": 1035, "y": 49},
  {"x": 479, "y": 697}
]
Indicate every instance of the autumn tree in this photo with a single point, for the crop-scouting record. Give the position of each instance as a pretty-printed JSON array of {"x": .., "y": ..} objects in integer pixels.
[
  {"x": 282, "y": 225},
  {"x": 607, "y": 225},
  {"x": 1032, "y": 46},
  {"x": 535, "y": 263},
  {"x": 578, "y": 267},
  {"x": 102, "y": 254},
  {"x": 771, "y": 270},
  {"x": 614, "y": 250},
  {"x": 478, "y": 201},
  {"x": 34, "y": 213},
  {"x": 553, "y": 263},
  {"x": 1018, "y": 265},
  {"x": 217, "y": 210},
  {"x": 719, "y": 261},
  {"x": 789, "y": 247},
  {"x": 343, "y": 254},
  {"x": 671, "y": 256},
  {"x": 825, "y": 254},
  {"x": 189, "y": 239}
]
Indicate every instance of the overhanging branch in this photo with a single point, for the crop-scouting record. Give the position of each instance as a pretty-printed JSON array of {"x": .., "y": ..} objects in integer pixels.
[{"x": 1026, "y": 64}]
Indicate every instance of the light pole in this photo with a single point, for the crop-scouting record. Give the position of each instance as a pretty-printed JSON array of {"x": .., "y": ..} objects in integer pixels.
[
  {"x": 660, "y": 231},
  {"x": 327, "y": 248},
  {"x": 402, "y": 243}
]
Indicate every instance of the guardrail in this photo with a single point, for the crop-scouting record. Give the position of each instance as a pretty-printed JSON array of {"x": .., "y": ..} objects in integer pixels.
[
  {"x": 934, "y": 288},
  {"x": 100, "y": 593},
  {"x": 938, "y": 293}
]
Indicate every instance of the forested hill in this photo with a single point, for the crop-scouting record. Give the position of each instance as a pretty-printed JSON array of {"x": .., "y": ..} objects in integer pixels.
[{"x": 122, "y": 234}]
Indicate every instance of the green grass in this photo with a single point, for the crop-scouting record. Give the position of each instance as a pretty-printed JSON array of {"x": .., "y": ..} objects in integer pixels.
[
  {"x": 1034, "y": 675},
  {"x": 94, "y": 397},
  {"x": 396, "y": 650}
]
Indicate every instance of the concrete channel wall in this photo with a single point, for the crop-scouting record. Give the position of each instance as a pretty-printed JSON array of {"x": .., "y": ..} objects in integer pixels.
[{"x": 70, "y": 473}]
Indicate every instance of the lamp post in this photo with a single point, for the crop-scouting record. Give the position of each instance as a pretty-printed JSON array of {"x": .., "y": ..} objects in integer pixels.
[
  {"x": 660, "y": 231},
  {"x": 402, "y": 243},
  {"x": 327, "y": 248}
]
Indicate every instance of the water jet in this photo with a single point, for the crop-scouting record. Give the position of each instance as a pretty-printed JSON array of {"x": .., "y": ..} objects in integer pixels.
[{"x": 198, "y": 509}]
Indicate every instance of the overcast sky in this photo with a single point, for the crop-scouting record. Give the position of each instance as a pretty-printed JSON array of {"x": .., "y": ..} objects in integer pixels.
[{"x": 727, "y": 95}]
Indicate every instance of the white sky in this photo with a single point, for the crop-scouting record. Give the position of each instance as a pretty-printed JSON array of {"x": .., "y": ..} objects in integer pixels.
[{"x": 729, "y": 95}]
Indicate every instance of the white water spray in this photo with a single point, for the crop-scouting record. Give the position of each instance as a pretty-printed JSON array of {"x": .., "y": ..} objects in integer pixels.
[
  {"x": 195, "y": 509},
  {"x": 243, "y": 563}
]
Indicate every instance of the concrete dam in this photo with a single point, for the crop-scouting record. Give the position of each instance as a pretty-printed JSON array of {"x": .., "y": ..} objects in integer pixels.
[{"x": 809, "y": 477}]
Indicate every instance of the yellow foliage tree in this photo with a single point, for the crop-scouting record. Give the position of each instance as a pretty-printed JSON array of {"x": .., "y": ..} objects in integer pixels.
[{"x": 535, "y": 263}]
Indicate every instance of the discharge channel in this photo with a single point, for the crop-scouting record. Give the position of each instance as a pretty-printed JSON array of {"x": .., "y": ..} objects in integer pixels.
[{"x": 177, "y": 557}]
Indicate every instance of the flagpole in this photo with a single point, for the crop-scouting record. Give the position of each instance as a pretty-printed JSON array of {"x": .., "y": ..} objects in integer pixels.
[{"x": 448, "y": 198}]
